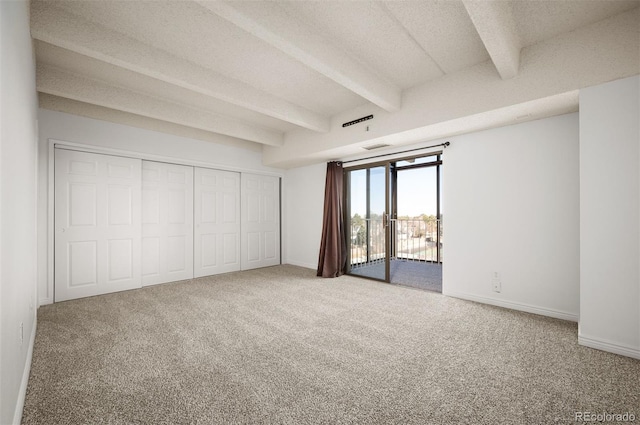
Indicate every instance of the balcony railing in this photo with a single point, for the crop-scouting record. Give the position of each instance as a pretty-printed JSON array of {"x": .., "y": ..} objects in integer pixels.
[{"x": 411, "y": 239}]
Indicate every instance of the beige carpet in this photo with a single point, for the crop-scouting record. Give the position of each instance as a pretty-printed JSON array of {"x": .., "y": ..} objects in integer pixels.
[{"x": 279, "y": 345}]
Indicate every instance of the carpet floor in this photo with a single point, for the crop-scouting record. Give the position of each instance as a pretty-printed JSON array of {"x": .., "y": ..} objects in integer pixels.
[{"x": 280, "y": 346}]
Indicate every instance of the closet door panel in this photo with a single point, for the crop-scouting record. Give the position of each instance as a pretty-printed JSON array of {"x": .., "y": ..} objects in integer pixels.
[
  {"x": 97, "y": 224},
  {"x": 167, "y": 224},
  {"x": 122, "y": 223},
  {"x": 217, "y": 222},
  {"x": 260, "y": 214}
]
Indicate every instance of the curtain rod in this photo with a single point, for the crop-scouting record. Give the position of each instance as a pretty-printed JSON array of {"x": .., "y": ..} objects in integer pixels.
[{"x": 445, "y": 144}]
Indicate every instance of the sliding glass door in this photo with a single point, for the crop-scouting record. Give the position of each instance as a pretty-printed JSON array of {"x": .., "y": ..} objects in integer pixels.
[
  {"x": 417, "y": 229},
  {"x": 394, "y": 222},
  {"x": 368, "y": 221}
]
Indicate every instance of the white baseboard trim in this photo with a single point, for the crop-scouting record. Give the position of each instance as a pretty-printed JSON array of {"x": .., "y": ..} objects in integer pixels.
[
  {"x": 609, "y": 346},
  {"x": 302, "y": 264},
  {"x": 513, "y": 305},
  {"x": 44, "y": 301},
  {"x": 17, "y": 415}
]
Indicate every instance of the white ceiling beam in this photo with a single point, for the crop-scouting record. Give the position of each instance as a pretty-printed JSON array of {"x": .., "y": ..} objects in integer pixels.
[
  {"x": 473, "y": 99},
  {"x": 495, "y": 25},
  {"x": 74, "y": 107},
  {"x": 274, "y": 27},
  {"x": 58, "y": 82},
  {"x": 54, "y": 26}
]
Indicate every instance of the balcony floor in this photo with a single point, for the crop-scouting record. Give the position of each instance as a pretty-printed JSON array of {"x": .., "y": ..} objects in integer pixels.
[{"x": 417, "y": 274}]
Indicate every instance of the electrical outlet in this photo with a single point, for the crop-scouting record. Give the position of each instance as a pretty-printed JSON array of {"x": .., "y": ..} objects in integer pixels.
[{"x": 496, "y": 283}]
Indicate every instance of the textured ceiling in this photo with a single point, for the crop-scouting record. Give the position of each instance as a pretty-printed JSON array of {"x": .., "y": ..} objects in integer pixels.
[{"x": 264, "y": 72}]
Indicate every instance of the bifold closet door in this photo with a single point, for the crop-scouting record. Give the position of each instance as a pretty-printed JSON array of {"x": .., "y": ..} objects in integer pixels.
[
  {"x": 217, "y": 222},
  {"x": 167, "y": 222},
  {"x": 260, "y": 221},
  {"x": 97, "y": 224}
]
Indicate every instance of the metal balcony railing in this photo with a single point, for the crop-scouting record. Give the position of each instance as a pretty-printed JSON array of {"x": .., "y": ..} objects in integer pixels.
[{"x": 411, "y": 239}]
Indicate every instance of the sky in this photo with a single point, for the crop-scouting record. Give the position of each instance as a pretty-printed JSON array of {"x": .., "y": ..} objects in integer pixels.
[{"x": 416, "y": 191}]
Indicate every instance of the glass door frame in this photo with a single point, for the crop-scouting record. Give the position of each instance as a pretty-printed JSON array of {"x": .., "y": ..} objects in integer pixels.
[
  {"x": 390, "y": 213},
  {"x": 385, "y": 213},
  {"x": 437, "y": 163}
]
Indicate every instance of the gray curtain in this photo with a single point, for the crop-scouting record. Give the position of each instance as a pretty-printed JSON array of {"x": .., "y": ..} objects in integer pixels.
[{"x": 333, "y": 246}]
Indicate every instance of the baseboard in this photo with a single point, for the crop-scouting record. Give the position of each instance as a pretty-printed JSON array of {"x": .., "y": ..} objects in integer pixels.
[
  {"x": 17, "y": 416},
  {"x": 302, "y": 264},
  {"x": 609, "y": 346},
  {"x": 513, "y": 305},
  {"x": 44, "y": 301}
]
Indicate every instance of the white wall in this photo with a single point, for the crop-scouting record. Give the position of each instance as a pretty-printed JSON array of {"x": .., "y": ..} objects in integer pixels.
[
  {"x": 610, "y": 216},
  {"x": 102, "y": 134},
  {"x": 18, "y": 156},
  {"x": 511, "y": 205},
  {"x": 303, "y": 204}
]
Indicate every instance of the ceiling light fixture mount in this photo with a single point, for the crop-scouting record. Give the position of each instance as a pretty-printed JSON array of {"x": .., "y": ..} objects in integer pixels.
[
  {"x": 359, "y": 120},
  {"x": 378, "y": 146}
]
